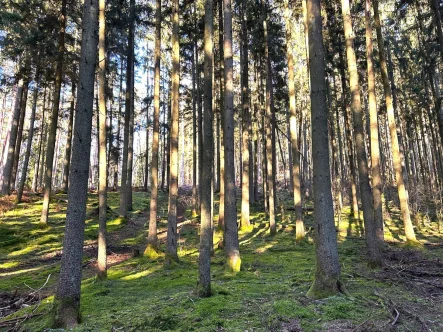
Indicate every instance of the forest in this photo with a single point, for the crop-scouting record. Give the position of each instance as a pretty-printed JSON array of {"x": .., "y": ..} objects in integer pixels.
[{"x": 221, "y": 165}]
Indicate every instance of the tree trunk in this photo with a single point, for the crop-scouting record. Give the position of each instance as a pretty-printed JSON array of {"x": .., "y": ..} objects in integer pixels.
[
  {"x": 30, "y": 136},
  {"x": 40, "y": 145},
  {"x": 357, "y": 116},
  {"x": 102, "y": 178},
  {"x": 204, "y": 261},
  {"x": 151, "y": 249},
  {"x": 194, "y": 135},
  {"x": 373, "y": 119},
  {"x": 230, "y": 213},
  {"x": 246, "y": 122},
  {"x": 54, "y": 117},
  {"x": 327, "y": 275},
  {"x": 295, "y": 171},
  {"x": 67, "y": 297},
  {"x": 18, "y": 143},
  {"x": 404, "y": 205},
  {"x": 171, "y": 241},
  {"x": 67, "y": 158},
  {"x": 269, "y": 128}
]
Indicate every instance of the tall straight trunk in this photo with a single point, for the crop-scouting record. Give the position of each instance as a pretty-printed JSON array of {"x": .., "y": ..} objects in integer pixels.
[
  {"x": 194, "y": 136},
  {"x": 171, "y": 241},
  {"x": 54, "y": 116},
  {"x": 67, "y": 297},
  {"x": 102, "y": 178},
  {"x": 348, "y": 135},
  {"x": 357, "y": 116},
  {"x": 128, "y": 109},
  {"x": 40, "y": 145},
  {"x": 131, "y": 138},
  {"x": 146, "y": 173},
  {"x": 151, "y": 249},
  {"x": 373, "y": 119},
  {"x": 402, "y": 195},
  {"x": 204, "y": 261},
  {"x": 116, "y": 153},
  {"x": 230, "y": 213},
  {"x": 30, "y": 136},
  {"x": 295, "y": 171},
  {"x": 269, "y": 128},
  {"x": 246, "y": 121},
  {"x": 327, "y": 275},
  {"x": 221, "y": 206},
  {"x": 67, "y": 157},
  {"x": 199, "y": 124},
  {"x": 18, "y": 143}
]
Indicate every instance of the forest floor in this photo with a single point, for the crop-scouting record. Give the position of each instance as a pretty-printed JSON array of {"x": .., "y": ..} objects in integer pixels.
[{"x": 268, "y": 294}]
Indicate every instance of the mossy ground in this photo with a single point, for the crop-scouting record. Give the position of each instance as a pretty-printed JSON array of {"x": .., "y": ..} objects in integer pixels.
[{"x": 269, "y": 291}]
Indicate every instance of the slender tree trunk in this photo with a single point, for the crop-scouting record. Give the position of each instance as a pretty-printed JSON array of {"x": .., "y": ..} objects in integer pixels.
[
  {"x": 404, "y": 205},
  {"x": 373, "y": 119},
  {"x": 204, "y": 261},
  {"x": 18, "y": 144},
  {"x": 246, "y": 122},
  {"x": 30, "y": 136},
  {"x": 171, "y": 241},
  {"x": 40, "y": 144},
  {"x": 194, "y": 136},
  {"x": 7, "y": 169},
  {"x": 124, "y": 187},
  {"x": 67, "y": 297},
  {"x": 221, "y": 206},
  {"x": 230, "y": 213},
  {"x": 54, "y": 116},
  {"x": 327, "y": 275},
  {"x": 357, "y": 116},
  {"x": 102, "y": 182},
  {"x": 295, "y": 171},
  {"x": 269, "y": 128},
  {"x": 67, "y": 158},
  {"x": 131, "y": 130},
  {"x": 116, "y": 153},
  {"x": 151, "y": 249}
]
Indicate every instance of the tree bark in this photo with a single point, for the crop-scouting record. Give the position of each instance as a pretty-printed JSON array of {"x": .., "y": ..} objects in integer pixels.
[
  {"x": 357, "y": 117},
  {"x": 246, "y": 122},
  {"x": 327, "y": 275},
  {"x": 102, "y": 182},
  {"x": 151, "y": 249},
  {"x": 404, "y": 205},
  {"x": 230, "y": 213},
  {"x": 67, "y": 158},
  {"x": 54, "y": 116},
  {"x": 67, "y": 297},
  {"x": 204, "y": 261},
  {"x": 373, "y": 118},
  {"x": 171, "y": 241},
  {"x": 30, "y": 137}
]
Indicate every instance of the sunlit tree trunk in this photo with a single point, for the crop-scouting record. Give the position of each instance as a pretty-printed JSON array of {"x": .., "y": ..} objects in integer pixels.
[
  {"x": 246, "y": 123},
  {"x": 54, "y": 116},
  {"x": 327, "y": 275},
  {"x": 404, "y": 205},
  {"x": 269, "y": 128},
  {"x": 295, "y": 171},
  {"x": 102, "y": 186},
  {"x": 67, "y": 297},
  {"x": 230, "y": 213},
  {"x": 204, "y": 261},
  {"x": 373, "y": 118},
  {"x": 171, "y": 241},
  {"x": 151, "y": 249},
  {"x": 194, "y": 136},
  {"x": 357, "y": 116}
]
